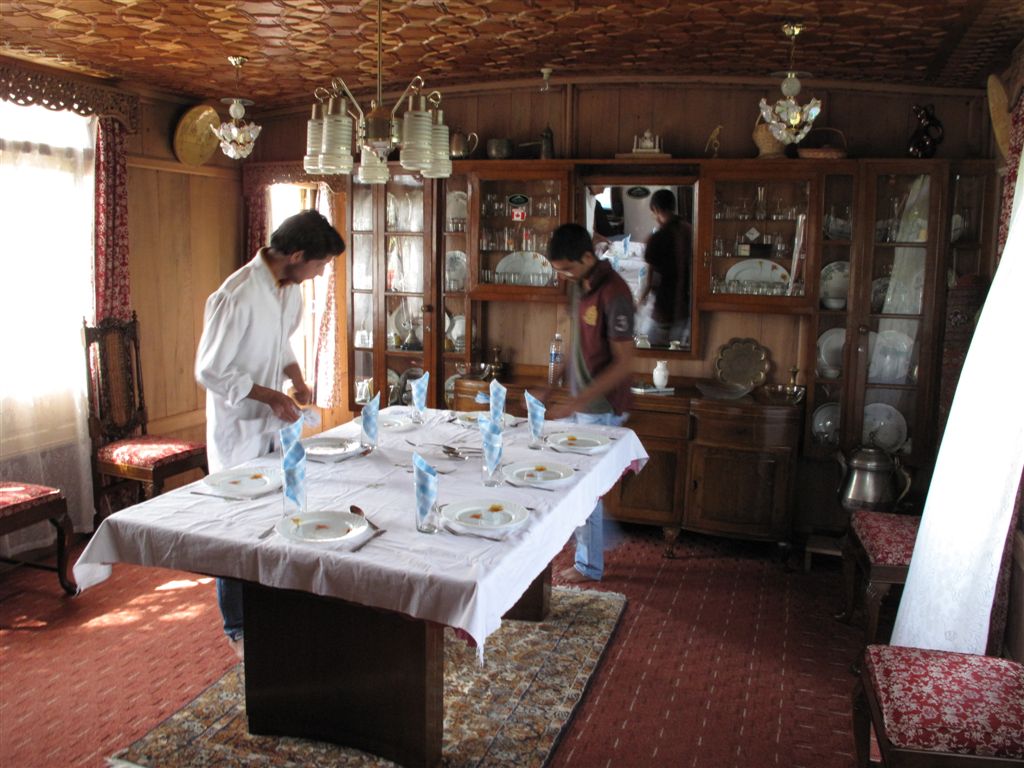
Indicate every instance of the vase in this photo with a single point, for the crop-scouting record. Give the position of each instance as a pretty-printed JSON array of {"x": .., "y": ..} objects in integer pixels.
[{"x": 660, "y": 374}]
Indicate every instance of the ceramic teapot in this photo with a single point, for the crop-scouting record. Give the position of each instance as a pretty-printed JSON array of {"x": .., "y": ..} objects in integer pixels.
[
  {"x": 870, "y": 480},
  {"x": 460, "y": 145}
]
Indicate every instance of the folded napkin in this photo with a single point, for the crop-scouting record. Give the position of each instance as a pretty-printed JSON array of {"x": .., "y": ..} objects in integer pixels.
[
  {"x": 426, "y": 490},
  {"x": 490, "y": 434},
  {"x": 535, "y": 410},
  {"x": 369, "y": 420},
  {"x": 497, "y": 400},
  {"x": 293, "y": 463},
  {"x": 419, "y": 392}
]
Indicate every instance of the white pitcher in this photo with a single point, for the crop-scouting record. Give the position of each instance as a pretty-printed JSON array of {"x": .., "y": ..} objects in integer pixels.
[{"x": 660, "y": 374}]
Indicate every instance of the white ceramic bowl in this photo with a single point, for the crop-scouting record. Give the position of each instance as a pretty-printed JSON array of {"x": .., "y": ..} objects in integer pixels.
[{"x": 831, "y": 303}]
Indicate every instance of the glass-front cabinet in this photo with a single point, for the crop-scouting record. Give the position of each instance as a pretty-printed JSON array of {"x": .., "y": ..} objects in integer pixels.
[
  {"x": 876, "y": 352},
  {"x": 757, "y": 226},
  {"x": 391, "y": 278},
  {"x": 971, "y": 216}
]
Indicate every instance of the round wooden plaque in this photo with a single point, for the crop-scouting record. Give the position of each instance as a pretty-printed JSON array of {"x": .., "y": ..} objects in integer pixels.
[
  {"x": 194, "y": 142},
  {"x": 999, "y": 112}
]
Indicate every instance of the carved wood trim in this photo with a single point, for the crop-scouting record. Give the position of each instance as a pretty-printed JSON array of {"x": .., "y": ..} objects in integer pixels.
[
  {"x": 24, "y": 86},
  {"x": 259, "y": 176}
]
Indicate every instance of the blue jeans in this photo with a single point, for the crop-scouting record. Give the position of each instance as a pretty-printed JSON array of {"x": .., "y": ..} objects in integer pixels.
[
  {"x": 590, "y": 535},
  {"x": 229, "y": 598}
]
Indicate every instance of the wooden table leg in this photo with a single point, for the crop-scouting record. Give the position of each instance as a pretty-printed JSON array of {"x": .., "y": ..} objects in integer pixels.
[
  {"x": 535, "y": 601},
  {"x": 322, "y": 668}
]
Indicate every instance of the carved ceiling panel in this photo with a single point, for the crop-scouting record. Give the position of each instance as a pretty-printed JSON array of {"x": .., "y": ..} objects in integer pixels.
[{"x": 293, "y": 46}]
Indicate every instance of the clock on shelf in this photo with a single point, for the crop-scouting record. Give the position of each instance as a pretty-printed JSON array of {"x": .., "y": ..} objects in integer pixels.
[{"x": 194, "y": 142}]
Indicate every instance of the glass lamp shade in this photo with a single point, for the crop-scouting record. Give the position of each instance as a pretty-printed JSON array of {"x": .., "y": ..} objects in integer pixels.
[
  {"x": 416, "y": 137},
  {"x": 372, "y": 168},
  {"x": 314, "y": 140},
  {"x": 336, "y": 142},
  {"x": 440, "y": 166},
  {"x": 787, "y": 120},
  {"x": 236, "y": 138}
]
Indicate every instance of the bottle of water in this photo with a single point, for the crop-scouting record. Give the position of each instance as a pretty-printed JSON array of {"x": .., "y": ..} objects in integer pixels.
[{"x": 555, "y": 362}]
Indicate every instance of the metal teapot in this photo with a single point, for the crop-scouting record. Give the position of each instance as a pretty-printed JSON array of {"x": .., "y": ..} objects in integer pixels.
[
  {"x": 460, "y": 145},
  {"x": 869, "y": 480}
]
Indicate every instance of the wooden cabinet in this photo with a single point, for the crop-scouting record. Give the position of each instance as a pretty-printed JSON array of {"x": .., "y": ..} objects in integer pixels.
[
  {"x": 655, "y": 496},
  {"x": 742, "y": 463},
  {"x": 391, "y": 268}
]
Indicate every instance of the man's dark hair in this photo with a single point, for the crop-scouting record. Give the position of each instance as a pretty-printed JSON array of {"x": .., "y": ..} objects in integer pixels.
[
  {"x": 663, "y": 200},
  {"x": 310, "y": 233},
  {"x": 569, "y": 242}
]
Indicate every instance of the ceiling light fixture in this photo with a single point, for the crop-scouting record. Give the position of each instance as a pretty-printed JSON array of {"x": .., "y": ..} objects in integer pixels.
[
  {"x": 236, "y": 136},
  {"x": 420, "y": 133},
  {"x": 787, "y": 120}
]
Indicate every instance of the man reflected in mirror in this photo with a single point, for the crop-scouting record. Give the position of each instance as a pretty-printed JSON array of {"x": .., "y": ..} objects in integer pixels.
[{"x": 668, "y": 255}]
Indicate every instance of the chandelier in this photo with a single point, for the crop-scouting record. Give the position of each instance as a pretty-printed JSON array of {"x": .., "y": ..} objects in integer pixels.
[
  {"x": 787, "y": 120},
  {"x": 420, "y": 133},
  {"x": 236, "y": 136}
]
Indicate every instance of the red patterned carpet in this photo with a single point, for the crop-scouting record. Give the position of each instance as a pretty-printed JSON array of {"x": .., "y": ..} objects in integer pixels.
[{"x": 723, "y": 658}]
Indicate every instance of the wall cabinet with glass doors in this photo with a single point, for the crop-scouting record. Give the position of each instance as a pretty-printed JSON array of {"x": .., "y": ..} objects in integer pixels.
[
  {"x": 876, "y": 346},
  {"x": 391, "y": 282},
  {"x": 757, "y": 229}
]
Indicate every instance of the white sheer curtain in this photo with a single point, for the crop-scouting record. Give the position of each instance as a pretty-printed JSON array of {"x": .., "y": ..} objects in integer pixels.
[
  {"x": 948, "y": 596},
  {"x": 46, "y": 216}
]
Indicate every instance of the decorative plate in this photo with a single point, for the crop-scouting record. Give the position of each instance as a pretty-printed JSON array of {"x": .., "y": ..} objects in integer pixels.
[
  {"x": 455, "y": 266},
  {"x": 757, "y": 271},
  {"x": 884, "y": 426},
  {"x": 890, "y": 357},
  {"x": 825, "y": 423},
  {"x": 830, "y": 352},
  {"x": 456, "y": 204},
  {"x": 835, "y": 280},
  {"x": 194, "y": 142},
  {"x": 716, "y": 390},
  {"x": 743, "y": 362},
  {"x": 525, "y": 263}
]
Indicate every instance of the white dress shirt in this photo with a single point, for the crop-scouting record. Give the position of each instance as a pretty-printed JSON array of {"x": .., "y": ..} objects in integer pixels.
[{"x": 247, "y": 326}]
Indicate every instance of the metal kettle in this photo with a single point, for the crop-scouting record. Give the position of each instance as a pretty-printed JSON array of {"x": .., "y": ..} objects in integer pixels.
[{"x": 870, "y": 480}]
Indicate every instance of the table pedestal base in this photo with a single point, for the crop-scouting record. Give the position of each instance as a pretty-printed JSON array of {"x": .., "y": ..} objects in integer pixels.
[{"x": 322, "y": 668}]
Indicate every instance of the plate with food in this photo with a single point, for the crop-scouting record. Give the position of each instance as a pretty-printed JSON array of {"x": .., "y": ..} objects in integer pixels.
[
  {"x": 247, "y": 482},
  {"x": 543, "y": 473},
  {"x": 485, "y": 514},
  {"x": 323, "y": 526},
  {"x": 579, "y": 441},
  {"x": 331, "y": 448}
]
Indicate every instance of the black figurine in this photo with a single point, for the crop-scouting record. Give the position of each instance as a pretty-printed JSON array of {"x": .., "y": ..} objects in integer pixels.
[{"x": 928, "y": 136}]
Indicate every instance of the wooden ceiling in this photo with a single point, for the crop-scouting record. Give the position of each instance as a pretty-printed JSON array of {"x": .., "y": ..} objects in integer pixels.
[{"x": 293, "y": 46}]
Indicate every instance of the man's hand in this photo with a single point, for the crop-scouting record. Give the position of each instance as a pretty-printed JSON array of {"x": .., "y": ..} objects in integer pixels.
[
  {"x": 284, "y": 407},
  {"x": 301, "y": 392}
]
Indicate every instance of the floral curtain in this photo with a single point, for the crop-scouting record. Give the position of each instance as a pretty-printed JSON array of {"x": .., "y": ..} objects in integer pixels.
[
  {"x": 110, "y": 273},
  {"x": 257, "y": 220},
  {"x": 1012, "y": 168},
  {"x": 327, "y": 383}
]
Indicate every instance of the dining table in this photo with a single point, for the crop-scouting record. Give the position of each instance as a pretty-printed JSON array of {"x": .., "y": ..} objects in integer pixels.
[{"x": 344, "y": 637}]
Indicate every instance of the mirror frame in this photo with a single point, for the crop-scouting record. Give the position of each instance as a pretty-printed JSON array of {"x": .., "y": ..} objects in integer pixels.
[{"x": 625, "y": 176}]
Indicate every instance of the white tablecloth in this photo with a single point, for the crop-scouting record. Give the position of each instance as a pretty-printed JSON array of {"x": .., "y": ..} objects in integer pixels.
[{"x": 463, "y": 582}]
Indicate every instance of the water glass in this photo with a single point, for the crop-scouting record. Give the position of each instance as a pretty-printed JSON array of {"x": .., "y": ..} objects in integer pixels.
[
  {"x": 294, "y": 501},
  {"x": 428, "y": 523},
  {"x": 365, "y": 442},
  {"x": 491, "y": 479},
  {"x": 536, "y": 436}
]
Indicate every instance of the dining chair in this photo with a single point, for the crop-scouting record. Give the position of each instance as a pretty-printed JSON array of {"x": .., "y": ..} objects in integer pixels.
[
  {"x": 25, "y": 504},
  {"x": 123, "y": 453},
  {"x": 938, "y": 708},
  {"x": 877, "y": 550}
]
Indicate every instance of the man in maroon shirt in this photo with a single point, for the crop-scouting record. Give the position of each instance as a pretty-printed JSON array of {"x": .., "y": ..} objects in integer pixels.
[{"x": 600, "y": 364}]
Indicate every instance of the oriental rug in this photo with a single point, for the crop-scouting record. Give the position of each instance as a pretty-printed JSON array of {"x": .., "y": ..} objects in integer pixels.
[{"x": 510, "y": 711}]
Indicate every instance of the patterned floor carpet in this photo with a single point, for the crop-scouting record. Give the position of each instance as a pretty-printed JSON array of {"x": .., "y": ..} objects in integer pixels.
[{"x": 509, "y": 712}]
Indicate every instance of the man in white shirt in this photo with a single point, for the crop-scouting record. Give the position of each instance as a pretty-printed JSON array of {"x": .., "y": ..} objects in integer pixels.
[{"x": 245, "y": 355}]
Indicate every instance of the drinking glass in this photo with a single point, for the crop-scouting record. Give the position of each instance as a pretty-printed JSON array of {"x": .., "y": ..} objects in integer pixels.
[
  {"x": 536, "y": 435},
  {"x": 427, "y": 523},
  {"x": 491, "y": 479}
]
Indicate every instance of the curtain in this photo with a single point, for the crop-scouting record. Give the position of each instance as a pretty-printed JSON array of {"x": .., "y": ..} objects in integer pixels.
[
  {"x": 110, "y": 273},
  {"x": 257, "y": 221},
  {"x": 948, "y": 599},
  {"x": 327, "y": 383},
  {"x": 46, "y": 215}
]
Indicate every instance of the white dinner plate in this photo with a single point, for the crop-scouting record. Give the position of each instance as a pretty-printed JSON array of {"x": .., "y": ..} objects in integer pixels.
[
  {"x": 470, "y": 418},
  {"x": 825, "y": 423},
  {"x": 455, "y": 266},
  {"x": 890, "y": 357},
  {"x": 390, "y": 422},
  {"x": 757, "y": 271},
  {"x": 835, "y": 280},
  {"x": 254, "y": 481},
  {"x": 456, "y": 204},
  {"x": 485, "y": 514},
  {"x": 544, "y": 473},
  {"x": 331, "y": 448},
  {"x": 580, "y": 441},
  {"x": 322, "y": 526},
  {"x": 830, "y": 352},
  {"x": 525, "y": 263},
  {"x": 884, "y": 426}
]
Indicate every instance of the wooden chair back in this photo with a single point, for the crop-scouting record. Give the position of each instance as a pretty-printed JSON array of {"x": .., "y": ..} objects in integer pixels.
[{"x": 117, "y": 403}]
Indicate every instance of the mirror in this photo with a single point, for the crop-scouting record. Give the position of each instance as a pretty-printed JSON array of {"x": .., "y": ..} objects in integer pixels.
[{"x": 619, "y": 217}]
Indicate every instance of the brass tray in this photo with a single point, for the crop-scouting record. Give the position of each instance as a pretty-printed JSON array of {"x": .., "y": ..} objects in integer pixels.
[{"x": 742, "y": 362}]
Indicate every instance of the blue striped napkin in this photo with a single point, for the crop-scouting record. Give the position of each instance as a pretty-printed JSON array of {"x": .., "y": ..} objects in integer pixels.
[
  {"x": 293, "y": 463},
  {"x": 490, "y": 434},
  {"x": 426, "y": 490},
  {"x": 369, "y": 421},
  {"x": 419, "y": 392},
  {"x": 535, "y": 410}
]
